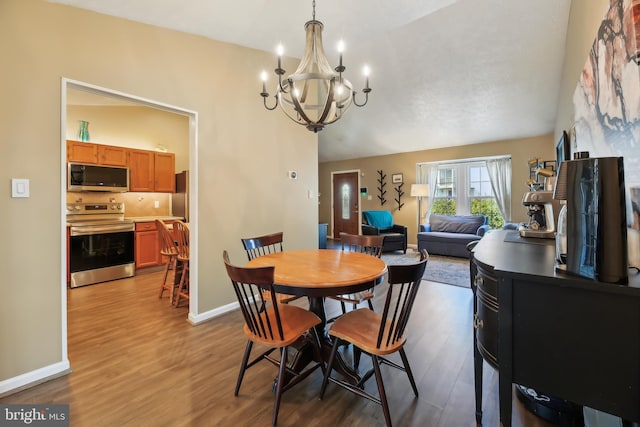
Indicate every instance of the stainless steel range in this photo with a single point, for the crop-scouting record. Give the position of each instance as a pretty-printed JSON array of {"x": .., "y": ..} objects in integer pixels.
[{"x": 100, "y": 244}]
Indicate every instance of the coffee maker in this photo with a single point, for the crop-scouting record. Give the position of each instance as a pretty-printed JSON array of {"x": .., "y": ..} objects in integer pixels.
[{"x": 541, "y": 223}]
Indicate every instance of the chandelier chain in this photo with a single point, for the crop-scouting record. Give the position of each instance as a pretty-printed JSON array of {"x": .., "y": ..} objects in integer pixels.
[{"x": 314, "y": 10}]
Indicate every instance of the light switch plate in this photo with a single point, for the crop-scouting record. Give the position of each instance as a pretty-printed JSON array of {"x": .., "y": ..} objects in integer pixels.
[{"x": 19, "y": 188}]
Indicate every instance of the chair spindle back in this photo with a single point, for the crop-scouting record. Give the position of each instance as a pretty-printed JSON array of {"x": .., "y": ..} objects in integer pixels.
[
  {"x": 182, "y": 236},
  {"x": 366, "y": 244},
  {"x": 168, "y": 247},
  {"x": 404, "y": 282},
  {"x": 250, "y": 286},
  {"x": 263, "y": 245}
]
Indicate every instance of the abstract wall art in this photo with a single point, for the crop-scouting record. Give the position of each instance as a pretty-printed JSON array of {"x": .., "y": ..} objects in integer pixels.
[{"x": 607, "y": 98}]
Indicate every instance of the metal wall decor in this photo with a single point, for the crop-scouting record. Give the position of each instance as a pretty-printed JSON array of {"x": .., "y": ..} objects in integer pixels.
[
  {"x": 400, "y": 194},
  {"x": 381, "y": 190}
]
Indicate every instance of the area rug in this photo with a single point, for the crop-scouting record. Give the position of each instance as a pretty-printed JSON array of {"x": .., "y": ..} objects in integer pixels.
[{"x": 442, "y": 269}]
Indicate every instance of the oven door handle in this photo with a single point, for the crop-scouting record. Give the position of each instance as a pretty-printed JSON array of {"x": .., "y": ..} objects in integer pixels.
[{"x": 97, "y": 229}]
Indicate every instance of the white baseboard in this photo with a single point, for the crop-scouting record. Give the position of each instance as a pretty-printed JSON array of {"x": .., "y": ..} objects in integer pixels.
[
  {"x": 207, "y": 315},
  {"x": 35, "y": 377}
]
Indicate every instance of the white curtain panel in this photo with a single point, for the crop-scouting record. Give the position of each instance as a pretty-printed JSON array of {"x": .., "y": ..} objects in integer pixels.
[
  {"x": 500, "y": 175},
  {"x": 429, "y": 175}
]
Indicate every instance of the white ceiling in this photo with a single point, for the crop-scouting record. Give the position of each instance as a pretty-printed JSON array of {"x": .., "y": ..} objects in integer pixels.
[{"x": 443, "y": 72}]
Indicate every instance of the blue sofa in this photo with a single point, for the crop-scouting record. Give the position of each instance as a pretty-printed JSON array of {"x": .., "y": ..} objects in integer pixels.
[
  {"x": 449, "y": 234},
  {"x": 381, "y": 223}
]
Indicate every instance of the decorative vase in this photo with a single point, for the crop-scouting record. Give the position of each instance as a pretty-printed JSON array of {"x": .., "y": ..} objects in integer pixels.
[{"x": 83, "y": 131}]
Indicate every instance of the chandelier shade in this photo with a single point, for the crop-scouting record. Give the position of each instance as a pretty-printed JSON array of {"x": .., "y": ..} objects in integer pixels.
[{"x": 316, "y": 94}]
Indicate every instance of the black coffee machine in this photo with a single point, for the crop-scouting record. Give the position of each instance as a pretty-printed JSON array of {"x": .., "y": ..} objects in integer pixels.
[{"x": 596, "y": 219}]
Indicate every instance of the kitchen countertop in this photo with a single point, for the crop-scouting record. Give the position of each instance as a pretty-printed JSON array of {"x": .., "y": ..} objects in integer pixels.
[
  {"x": 152, "y": 218},
  {"x": 148, "y": 218}
]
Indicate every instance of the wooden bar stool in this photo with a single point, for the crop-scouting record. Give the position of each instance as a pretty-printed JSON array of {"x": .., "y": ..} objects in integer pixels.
[
  {"x": 182, "y": 235},
  {"x": 169, "y": 250}
]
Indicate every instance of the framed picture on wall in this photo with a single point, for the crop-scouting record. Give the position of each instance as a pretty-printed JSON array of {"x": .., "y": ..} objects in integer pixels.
[{"x": 396, "y": 178}]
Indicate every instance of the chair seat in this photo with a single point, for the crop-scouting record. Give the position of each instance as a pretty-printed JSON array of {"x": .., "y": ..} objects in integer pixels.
[
  {"x": 282, "y": 298},
  {"x": 295, "y": 322},
  {"x": 354, "y": 298},
  {"x": 360, "y": 327}
]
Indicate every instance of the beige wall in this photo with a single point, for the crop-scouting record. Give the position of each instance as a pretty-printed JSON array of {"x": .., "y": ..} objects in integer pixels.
[
  {"x": 243, "y": 155},
  {"x": 134, "y": 127},
  {"x": 584, "y": 19},
  {"x": 520, "y": 151}
]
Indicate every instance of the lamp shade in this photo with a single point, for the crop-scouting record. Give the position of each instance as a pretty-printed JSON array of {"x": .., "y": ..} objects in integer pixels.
[{"x": 420, "y": 190}]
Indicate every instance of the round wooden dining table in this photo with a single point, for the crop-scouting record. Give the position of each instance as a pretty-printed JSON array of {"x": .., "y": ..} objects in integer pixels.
[{"x": 318, "y": 273}]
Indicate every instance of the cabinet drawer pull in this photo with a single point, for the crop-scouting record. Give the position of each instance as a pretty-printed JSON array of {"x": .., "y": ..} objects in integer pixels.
[
  {"x": 479, "y": 280},
  {"x": 477, "y": 322}
]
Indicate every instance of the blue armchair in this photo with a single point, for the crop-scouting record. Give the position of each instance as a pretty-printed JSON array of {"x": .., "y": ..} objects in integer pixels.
[{"x": 381, "y": 223}]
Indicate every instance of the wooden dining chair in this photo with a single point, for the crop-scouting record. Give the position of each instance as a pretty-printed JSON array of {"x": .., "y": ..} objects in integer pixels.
[
  {"x": 380, "y": 334},
  {"x": 264, "y": 245},
  {"x": 276, "y": 327},
  {"x": 169, "y": 250},
  {"x": 367, "y": 244},
  {"x": 181, "y": 231}
]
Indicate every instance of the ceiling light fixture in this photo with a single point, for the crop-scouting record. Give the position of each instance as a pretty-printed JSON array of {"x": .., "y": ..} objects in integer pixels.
[{"x": 315, "y": 95}]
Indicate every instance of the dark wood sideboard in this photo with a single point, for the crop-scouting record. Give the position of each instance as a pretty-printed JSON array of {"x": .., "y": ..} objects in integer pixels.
[{"x": 567, "y": 336}]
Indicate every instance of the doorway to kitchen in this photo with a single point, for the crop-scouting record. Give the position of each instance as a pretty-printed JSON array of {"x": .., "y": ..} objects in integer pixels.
[{"x": 75, "y": 93}]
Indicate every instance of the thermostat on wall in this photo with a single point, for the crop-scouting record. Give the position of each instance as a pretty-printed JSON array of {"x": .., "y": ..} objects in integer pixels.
[{"x": 293, "y": 175}]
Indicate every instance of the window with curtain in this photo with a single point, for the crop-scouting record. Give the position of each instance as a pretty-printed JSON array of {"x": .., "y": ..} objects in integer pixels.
[{"x": 469, "y": 188}]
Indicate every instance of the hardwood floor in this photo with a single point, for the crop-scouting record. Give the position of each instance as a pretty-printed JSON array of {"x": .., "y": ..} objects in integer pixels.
[{"x": 137, "y": 362}]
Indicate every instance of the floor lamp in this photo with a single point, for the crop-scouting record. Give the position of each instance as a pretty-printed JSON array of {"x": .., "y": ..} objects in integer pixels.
[{"x": 420, "y": 191}]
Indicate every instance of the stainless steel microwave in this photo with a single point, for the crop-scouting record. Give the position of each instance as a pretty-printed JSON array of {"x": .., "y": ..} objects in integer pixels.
[{"x": 85, "y": 177}]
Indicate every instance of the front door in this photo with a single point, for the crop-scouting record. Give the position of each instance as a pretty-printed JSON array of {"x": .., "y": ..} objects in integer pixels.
[{"x": 346, "y": 208}]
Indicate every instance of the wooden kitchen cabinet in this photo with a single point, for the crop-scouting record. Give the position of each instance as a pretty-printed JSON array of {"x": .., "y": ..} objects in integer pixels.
[
  {"x": 141, "y": 170},
  {"x": 165, "y": 172},
  {"x": 82, "y": 152},
  {"x": 151, "y": 171},
  {"x": 109, "y": 155},
  {"x": 96, "y": 154},
  {"x": 147, "y": 245}
]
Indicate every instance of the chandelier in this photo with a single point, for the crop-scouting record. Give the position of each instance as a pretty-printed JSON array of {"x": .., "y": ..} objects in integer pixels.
[{"x": 316, "y": 94}]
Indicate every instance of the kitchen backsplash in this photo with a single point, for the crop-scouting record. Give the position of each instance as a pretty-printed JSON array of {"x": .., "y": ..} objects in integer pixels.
[{"x": 135, "y": 204}]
